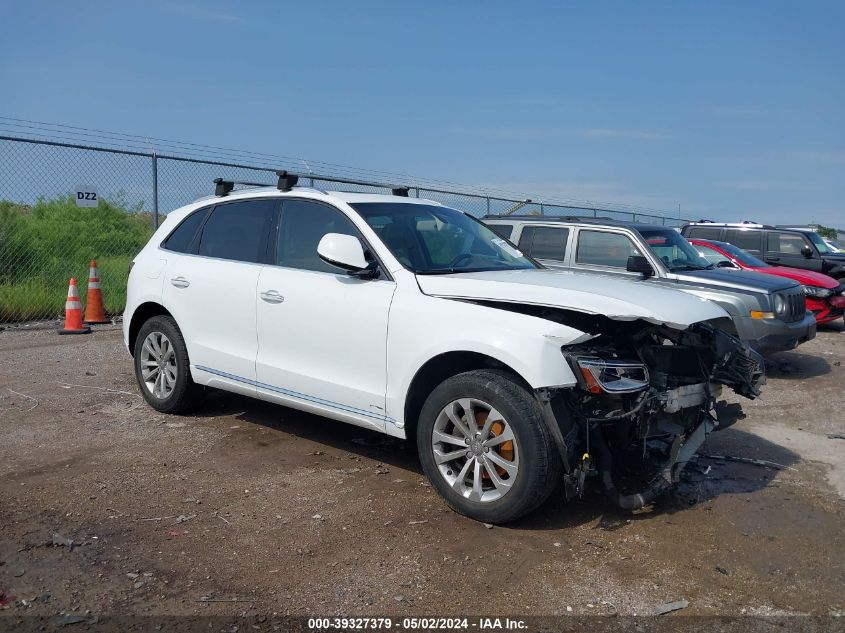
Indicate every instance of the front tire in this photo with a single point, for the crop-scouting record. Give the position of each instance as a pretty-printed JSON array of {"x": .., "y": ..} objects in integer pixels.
[
  {"x": 162, "y": 368},
  {"x": 484, "y": 447}
]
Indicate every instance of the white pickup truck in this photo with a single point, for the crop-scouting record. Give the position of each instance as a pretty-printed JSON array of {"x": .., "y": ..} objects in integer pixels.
[{"x": 416, "y": 320}]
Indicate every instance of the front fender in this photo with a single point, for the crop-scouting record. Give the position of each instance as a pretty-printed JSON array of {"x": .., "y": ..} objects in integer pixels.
[{"x": 423, "y": 327}]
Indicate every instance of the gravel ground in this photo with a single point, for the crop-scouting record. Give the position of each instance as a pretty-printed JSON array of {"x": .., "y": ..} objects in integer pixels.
[{"x": 107, "y": 507}]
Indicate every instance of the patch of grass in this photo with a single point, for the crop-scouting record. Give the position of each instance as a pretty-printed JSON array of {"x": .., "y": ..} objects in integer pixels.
[{"x": 44, "y": 245}]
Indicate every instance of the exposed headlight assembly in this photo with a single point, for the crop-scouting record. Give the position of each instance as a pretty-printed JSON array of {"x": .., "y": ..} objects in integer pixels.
[
  {"x": 817, "y": 292},
  {"x": 598, "y": 375}
]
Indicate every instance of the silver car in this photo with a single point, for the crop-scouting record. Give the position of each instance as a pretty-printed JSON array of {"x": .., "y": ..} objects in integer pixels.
[{"x": 769, "y": 312}]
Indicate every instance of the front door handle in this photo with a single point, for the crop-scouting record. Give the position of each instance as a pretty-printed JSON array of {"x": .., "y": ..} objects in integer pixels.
[
  {"x": 180, "y": 282},
  {"x": 271, "y": 296},
  {"x": 773, "y": 259}
]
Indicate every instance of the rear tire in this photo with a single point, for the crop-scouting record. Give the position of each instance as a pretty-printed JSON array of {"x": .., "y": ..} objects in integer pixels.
[
  {"x": 162, "y": 368},
  {"x": 516, "y": 475}
]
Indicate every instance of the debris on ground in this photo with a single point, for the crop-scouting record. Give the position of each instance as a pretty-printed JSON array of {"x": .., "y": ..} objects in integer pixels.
[
  {"x": 185, "y": 517},
  {"x": 417, "y": 522},
  {"x": 671, "y": 606},
  {"x": 722, "y": 570},
  {"x": 60, "y": 541},
  {"x": 835, "y": 436},
  {"x": 69, "y": 618},
  {"x": 232, "y": 599},
  {"x": 747, "y": 460},
  {"x": 5, "y": 598}
]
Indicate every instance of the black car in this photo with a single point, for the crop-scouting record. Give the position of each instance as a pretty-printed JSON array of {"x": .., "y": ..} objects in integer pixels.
[{"x": 779, "y": 247}]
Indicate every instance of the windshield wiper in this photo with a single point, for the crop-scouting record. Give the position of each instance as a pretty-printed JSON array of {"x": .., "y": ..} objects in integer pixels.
[{"x": 440, "y": 271}]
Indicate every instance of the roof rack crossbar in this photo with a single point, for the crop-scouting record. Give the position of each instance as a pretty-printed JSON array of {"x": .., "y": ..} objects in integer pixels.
[{"x": 287, "y": 181}]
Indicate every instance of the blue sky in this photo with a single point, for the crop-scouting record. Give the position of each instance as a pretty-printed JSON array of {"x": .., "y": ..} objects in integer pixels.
[{"x": 731, "y": 109}]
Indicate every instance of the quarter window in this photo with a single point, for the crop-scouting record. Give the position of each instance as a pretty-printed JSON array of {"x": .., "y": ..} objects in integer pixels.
[
  {"x": 600, "y": 248},
  {"x": 788, "y": 243},
  {"x": 544, "y": 242},
  {"x": 181, "y": 238},
  {"x": 238, "y": 231},
  {"x": 303, "y": 224}
]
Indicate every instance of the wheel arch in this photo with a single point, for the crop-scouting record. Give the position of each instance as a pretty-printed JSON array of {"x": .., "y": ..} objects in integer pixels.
[
  {"x": 142, "y": 314},
  {"x": 443, "y": 366}
]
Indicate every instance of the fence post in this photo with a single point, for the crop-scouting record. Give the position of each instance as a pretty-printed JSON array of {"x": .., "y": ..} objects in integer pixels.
[
  {"x": 488, "y": 205},
  {"x": 155, "y": 191},
  {"x": 417, "y": 190}
]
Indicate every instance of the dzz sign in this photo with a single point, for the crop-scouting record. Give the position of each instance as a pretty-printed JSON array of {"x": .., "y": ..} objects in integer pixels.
[{"x": 86, "y": 196}]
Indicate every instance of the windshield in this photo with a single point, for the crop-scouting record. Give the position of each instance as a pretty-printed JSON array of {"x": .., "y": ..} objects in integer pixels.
[
  {"x": 432, "y": 240},
  {"x": 674, "y": 250},
  {"x": 816, "y": 239}
]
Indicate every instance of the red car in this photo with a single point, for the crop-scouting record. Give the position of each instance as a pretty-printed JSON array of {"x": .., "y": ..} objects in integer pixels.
[{"x": 825, "y": 295}]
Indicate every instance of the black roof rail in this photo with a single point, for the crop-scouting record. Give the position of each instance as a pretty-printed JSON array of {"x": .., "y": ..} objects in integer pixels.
[{"x": 287, "y": 181}]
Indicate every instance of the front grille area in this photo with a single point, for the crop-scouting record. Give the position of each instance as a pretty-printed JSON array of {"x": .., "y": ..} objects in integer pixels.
[{"x": 796, "y": 305}]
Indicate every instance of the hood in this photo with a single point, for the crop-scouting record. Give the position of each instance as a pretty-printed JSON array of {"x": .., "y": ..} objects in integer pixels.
[
  {"x": 618, "y": 299},
  {"x": 736, "y": 279},
  {"x": 806, "y": 277}
]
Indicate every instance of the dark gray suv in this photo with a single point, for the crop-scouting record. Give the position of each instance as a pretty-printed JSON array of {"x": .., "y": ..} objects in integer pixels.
[{"x": 769, "y": 312}]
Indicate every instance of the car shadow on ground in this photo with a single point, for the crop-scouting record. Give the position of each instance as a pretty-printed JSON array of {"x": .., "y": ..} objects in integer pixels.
[
  {"x": 313, "y": 428},
  {"x": 698, "y": 484},
  {"x": 795, "y": 366},
  {"x": 723, "y": 466}
]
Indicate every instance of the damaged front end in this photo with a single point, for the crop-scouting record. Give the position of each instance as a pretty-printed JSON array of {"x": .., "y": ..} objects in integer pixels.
[{"x": 647, "y": 397}]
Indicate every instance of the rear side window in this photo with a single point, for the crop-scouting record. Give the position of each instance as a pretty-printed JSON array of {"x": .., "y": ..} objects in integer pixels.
[
  {"x": 788, "y": 243},
  {"x": 238, "y": 231},
  {"x": 600, "y": 248},
  {"x": 544, "y": 242},
  {"x": 703, "y": 233},
  {"x": 180, "y": 239},
  {"x": 746, "y": 240},
  {"x": 302, "y": 226},
  {"x": 502, "y": 230}
]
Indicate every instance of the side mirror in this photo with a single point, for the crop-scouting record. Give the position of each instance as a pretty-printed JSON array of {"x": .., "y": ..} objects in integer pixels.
[
  {"x": 807, "y": 252},
  {"x": 346, "y": 252},
  {"x": 639, "y": 264},
  {"x": 725, "y": 264}
]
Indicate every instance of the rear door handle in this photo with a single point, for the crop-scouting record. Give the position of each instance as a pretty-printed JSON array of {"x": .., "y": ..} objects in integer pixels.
[
  {"x": 180, "y": 282},
  {"x": 271, "y": 296},
  {"x": 773, "y": 259}
]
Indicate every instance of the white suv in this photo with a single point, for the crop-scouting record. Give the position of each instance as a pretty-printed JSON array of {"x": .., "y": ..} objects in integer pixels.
[{"x": 413, "y": 319}]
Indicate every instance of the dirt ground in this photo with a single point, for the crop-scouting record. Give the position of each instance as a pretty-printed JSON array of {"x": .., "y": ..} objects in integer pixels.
[{"x": 271, "y": 510}]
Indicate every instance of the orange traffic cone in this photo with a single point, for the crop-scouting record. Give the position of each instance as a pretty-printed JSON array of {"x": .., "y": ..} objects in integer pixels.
[
  {"x": 73, "y": 312},
  {"x": 95, "y": 312}
]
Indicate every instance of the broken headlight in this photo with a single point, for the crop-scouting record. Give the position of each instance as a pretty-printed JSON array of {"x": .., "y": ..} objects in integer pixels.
[{"x": 598, "y": 375}]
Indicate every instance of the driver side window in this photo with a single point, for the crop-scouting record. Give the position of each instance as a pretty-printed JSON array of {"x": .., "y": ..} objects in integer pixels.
[{"x": 301, "y": 227}]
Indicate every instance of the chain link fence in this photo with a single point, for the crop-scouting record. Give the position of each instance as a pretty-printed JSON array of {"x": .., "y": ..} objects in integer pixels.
[{"x": 46, "y": 237}]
